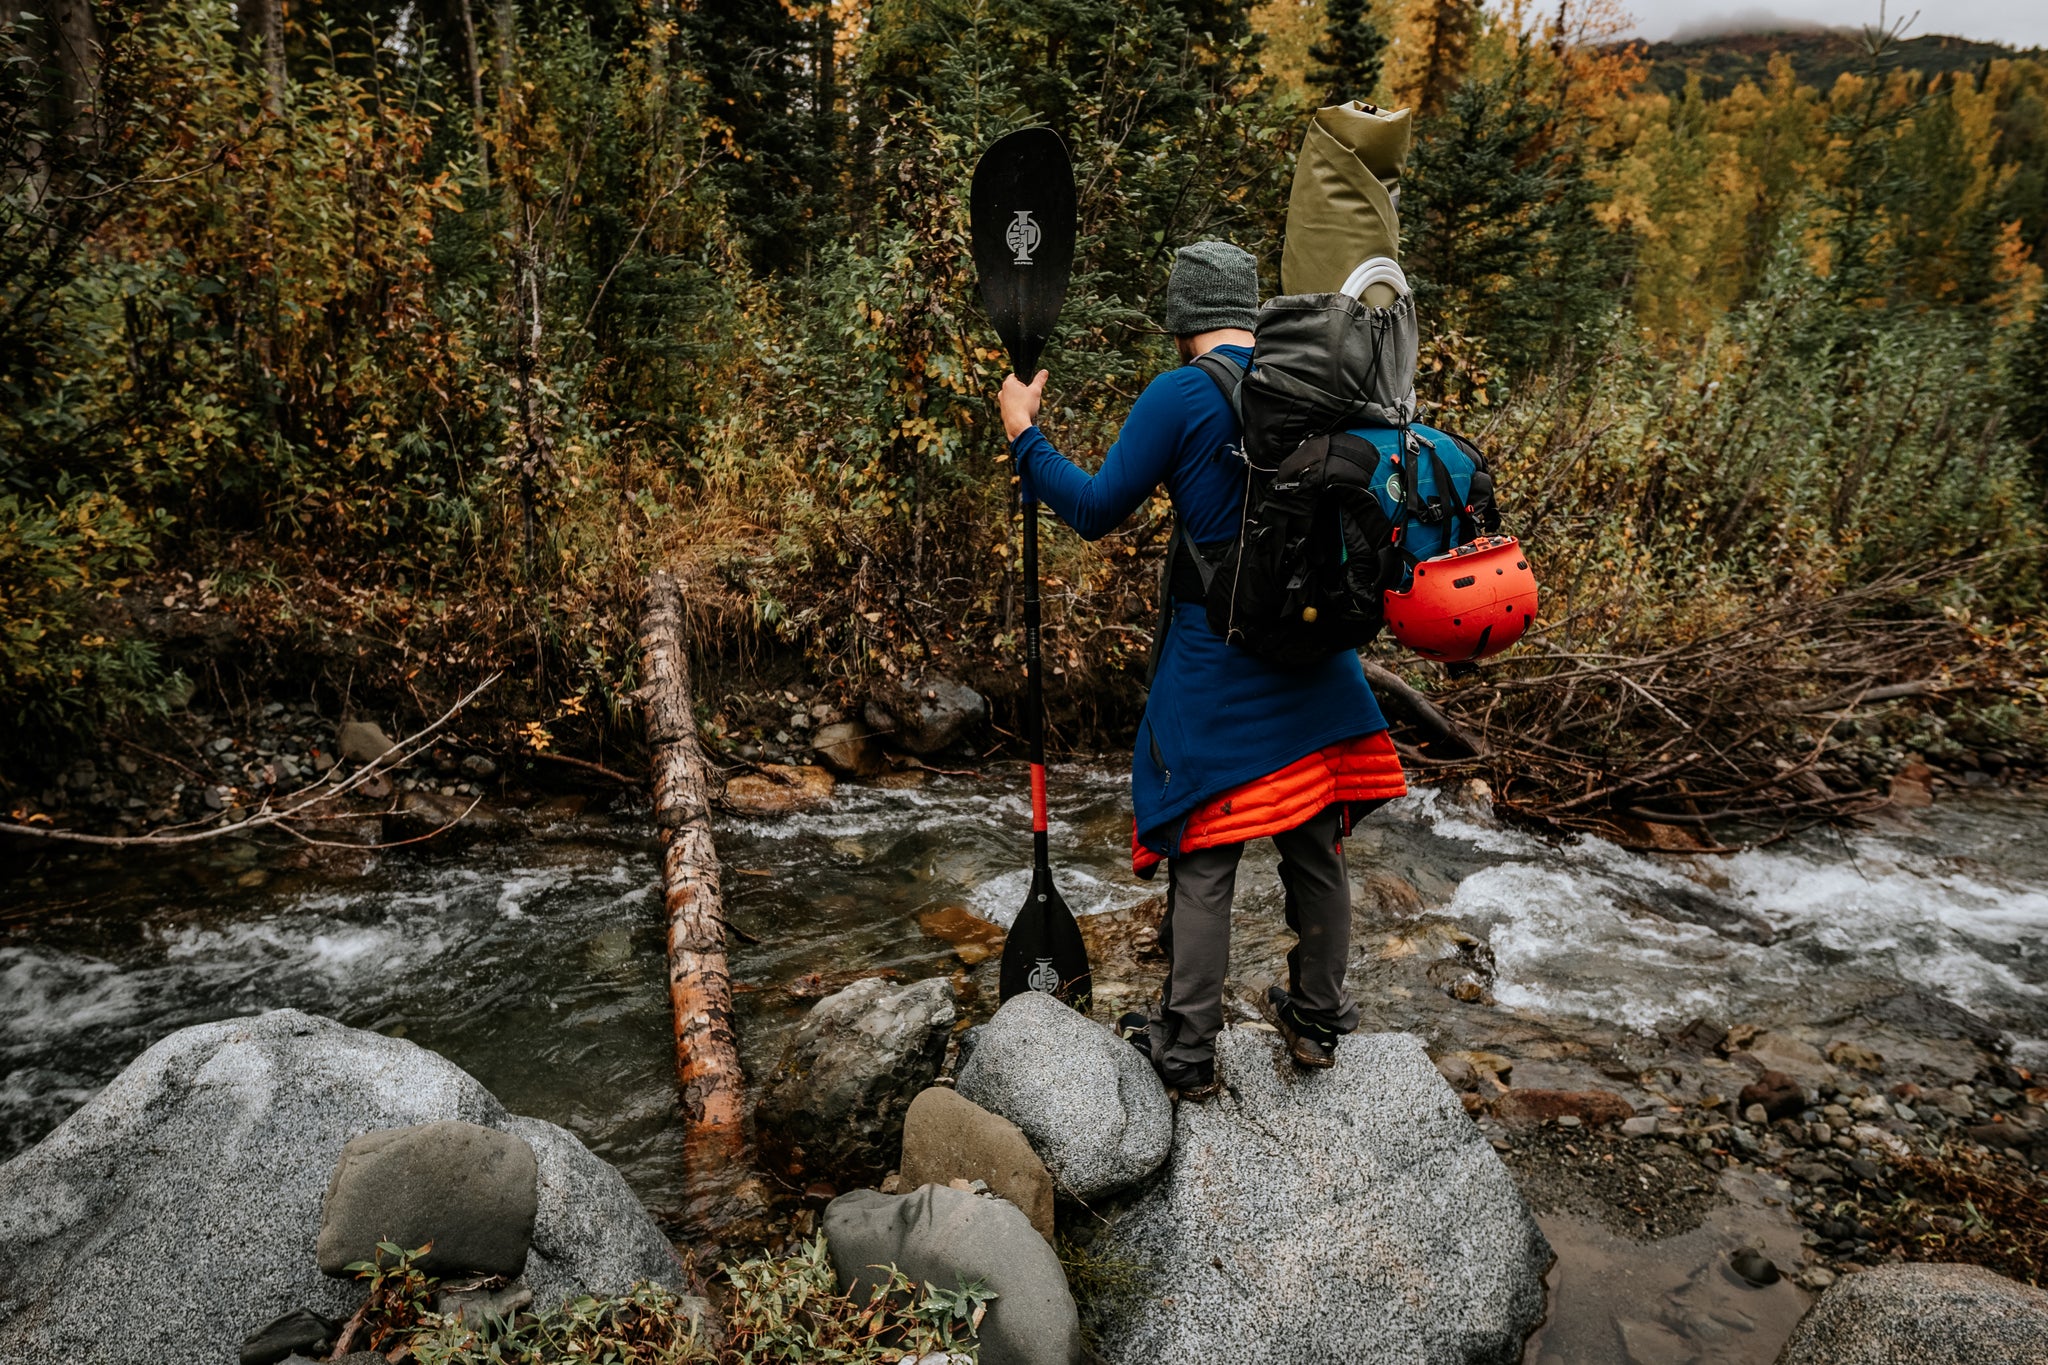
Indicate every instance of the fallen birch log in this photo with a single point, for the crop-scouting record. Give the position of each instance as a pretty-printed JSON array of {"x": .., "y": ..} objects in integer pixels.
[{"x": 700, "y": 987}]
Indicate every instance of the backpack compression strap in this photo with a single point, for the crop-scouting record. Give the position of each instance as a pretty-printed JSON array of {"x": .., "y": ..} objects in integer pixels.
[
  {"x": 1445, "y": 505},
  {"x": 1229, "y": 377}
]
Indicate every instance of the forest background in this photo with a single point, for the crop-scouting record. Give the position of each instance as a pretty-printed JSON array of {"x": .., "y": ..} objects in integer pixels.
[{"x": 367, "y": 348}]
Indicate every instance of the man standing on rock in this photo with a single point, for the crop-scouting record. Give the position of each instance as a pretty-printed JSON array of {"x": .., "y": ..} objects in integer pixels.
[{"x": 1230, "y": 749}]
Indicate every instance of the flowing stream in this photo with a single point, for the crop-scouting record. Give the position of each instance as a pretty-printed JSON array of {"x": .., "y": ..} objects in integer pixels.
[{"x": 537, "y": 963}]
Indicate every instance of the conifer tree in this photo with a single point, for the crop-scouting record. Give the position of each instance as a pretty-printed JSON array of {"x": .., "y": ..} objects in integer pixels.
[
  {"x": 1501, "y": 237},
  {"x": 753, "y": 55},
  {"x": 1349, "y": 55},
  {"x": 1434, "y": 49}
]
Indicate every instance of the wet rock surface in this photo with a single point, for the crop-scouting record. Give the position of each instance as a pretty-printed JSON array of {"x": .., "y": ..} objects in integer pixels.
[
  {"x": 948, "y": 1238},
  {"x": 1923, "y": 1314},
  {"x": 834, "y": 1106},
  {"x": 777, "y": 789},
  {"x": 1092, "y": 1107},
  {"x": 223, "y": 1137},
  {"x": 1352, "y": 1214}
]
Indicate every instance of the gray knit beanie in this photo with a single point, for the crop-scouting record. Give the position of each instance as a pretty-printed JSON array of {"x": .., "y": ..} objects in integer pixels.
[{"x": 1214, "y": 284}]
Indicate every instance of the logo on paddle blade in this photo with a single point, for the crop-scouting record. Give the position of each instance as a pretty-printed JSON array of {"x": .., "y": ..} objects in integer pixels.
[
  {"x": 1044, "y": 977},
  {"x": 1023, "y": 236}
]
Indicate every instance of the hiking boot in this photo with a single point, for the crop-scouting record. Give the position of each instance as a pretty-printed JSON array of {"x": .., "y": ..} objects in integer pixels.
[
  {"x": 1308, "y": 1045},
  {"x": 1191, "y": 1083},
  {"x": 1136, "y": 1029}
]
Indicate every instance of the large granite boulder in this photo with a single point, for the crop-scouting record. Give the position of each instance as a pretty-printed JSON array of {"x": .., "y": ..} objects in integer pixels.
[
  {"x": 1353, "y": 1214},
  {"x": 947, "y": 1238},
  {"x": 1923, "y": 1314},
  {"x": 835, "y": 1104},
  {"x": 926, "y": 715},
  {"x": 176, "y": 1212},
  {"x": 1092, "y": 1106}
]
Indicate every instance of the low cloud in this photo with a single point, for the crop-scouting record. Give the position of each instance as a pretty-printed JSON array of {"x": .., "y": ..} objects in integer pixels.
[{"x": 1742, "y": 21}]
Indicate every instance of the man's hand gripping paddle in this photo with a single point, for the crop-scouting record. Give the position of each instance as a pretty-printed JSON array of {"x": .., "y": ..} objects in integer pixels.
[{"x": 1022, "y": 208}]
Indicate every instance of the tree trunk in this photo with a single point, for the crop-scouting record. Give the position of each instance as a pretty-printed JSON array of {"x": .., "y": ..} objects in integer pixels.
[
  {"x": 74, "y": 39},
  {"x": 700, "y": 987},
  {"x": 473, "y": 74},
  {"x": 273, "y": 57},
  {"x": 507, "y": 23}
]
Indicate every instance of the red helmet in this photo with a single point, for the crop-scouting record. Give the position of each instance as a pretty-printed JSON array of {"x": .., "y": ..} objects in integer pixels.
[{"x": 1473, "y": 602}]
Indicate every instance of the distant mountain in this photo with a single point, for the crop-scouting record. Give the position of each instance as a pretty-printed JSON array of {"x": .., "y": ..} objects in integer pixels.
[{"x": 1818, "y": 56}]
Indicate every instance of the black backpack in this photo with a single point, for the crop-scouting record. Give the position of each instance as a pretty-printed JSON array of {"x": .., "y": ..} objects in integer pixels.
[{"x": 1314, "y": 554}]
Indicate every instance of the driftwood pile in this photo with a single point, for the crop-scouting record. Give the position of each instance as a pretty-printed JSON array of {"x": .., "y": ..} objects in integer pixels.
[{"x": 1742, "y": 723}]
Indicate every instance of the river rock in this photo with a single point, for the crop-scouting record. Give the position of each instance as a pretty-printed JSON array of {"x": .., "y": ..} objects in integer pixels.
[
  {"x": 1794, "y": 1057},
  {"x": 847, "y": 749},
  {"x": 1093, "y": 1108},
  {"x": 1912, "y": 787},
  {"x": 835, "y": 1105},
  {"x": 778, "y": 789},
  {"x": 178, "y": 1209},
  {"x": 926, "y": 715},
  {"x": 947, "y": 1238},
  {"x": 295, "y": 1331},
  {"x": 1353, "y": 1214},
  {"x": 478, "y": 1306},
  {"x": 1923, "y": 1314},
  {"x": 947, "y": 1137},
  {"x": 362, "y": 741},
  {"x": 468, "y": 1190},
  {"x": 1777, "y": 1094},
  {"x": 430, "y": 815},
  {"x": 1590, "y": 1107}
]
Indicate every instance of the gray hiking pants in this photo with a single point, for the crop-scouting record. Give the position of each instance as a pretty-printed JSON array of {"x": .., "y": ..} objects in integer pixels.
[{"x": 1196, "y": 937}]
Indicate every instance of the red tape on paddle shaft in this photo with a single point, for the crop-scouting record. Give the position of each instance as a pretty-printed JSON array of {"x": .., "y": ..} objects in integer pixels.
[{"x": 1038, "y": 798}]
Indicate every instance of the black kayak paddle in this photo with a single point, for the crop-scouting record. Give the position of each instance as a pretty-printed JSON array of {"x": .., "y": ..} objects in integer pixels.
[{"x": 1022, "y": 210}]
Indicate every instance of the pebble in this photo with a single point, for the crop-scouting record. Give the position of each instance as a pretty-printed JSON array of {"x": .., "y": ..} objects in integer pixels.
[
  {"x": 1642, "y": 1125},
  {"x": 1755, "y": 1114}
]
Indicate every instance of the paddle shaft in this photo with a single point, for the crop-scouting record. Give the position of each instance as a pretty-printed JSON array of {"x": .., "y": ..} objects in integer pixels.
[{"x": 1034, "y": 686}]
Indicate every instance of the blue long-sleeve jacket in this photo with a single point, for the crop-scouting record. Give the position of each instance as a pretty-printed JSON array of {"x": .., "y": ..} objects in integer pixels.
[
  {"x": 1178, "y": 434},
  {"x": 1216, "y": 717}
]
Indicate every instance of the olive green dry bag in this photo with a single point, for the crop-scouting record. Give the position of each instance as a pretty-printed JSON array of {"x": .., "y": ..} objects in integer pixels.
[{"x": 1345, "y": 205}]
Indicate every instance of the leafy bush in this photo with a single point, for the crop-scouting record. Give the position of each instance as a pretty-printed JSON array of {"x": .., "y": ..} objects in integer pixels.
[{"x": 779, "y": 1310}]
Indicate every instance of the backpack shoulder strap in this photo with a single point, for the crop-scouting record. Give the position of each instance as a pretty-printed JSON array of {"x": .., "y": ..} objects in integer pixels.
[{"x": 1229, "y": 377}]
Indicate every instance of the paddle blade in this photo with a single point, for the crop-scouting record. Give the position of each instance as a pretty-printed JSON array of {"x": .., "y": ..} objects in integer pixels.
[
  {"x": 1044, "y": 951},
  {"x": 1021, "y": 208}
]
